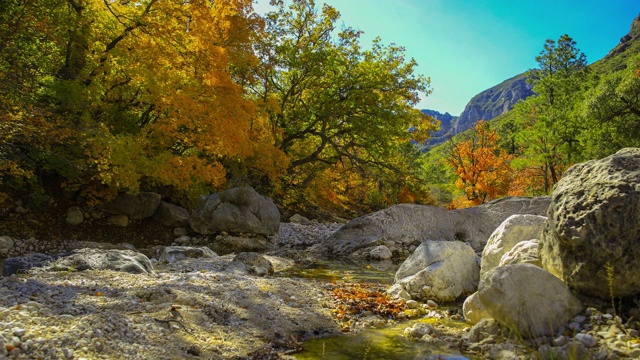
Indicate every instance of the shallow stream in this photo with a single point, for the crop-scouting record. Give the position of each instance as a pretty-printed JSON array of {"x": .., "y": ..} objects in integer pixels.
[{"x": 386, "y": 342}]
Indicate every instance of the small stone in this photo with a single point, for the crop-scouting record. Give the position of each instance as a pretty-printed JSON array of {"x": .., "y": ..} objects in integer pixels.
[
  {"x": 574, "y": 326},
  {"x": 608, "y": 316},
  {"x": 6, "y": 244},
  {"x": 19, "y": 332},
  {"x": 580, "y": 319},
  {"x": 432, "y": 304},
  {"x": 412, "y": 304},
  {"x": 560, "y": 340},
  {"x": 179, "y": 231},
  {"x": 183, "y": 240},
  {"x": 74, "y": 216},
  {"x": 587, "y": 340},
  {"x": 68, "y": 353}
]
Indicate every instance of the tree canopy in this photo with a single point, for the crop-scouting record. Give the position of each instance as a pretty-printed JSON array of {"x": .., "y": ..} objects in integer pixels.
[{"x": 190, "y": 97}]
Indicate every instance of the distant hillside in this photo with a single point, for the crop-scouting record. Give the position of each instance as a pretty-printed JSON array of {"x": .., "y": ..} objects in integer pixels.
[{"x": 493, "y": 102}]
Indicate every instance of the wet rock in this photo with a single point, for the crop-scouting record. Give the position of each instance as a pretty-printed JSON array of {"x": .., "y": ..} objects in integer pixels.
[
  {"x": 439, "y": 270},
  {"x": 513, "y": 230},
  {"x": 171, "y": 215},
  {"x": 172, "y": 254},
  {"x": 237, "y": 210},
  {"x": 136, "y": 207},
  {"x": 594, "y": 221},
  {"x": 74, "y": 216},
  {"x": 528, "y": 300}
]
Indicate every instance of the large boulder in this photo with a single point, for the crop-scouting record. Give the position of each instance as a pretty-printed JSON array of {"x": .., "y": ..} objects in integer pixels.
[
  {"x": 171, "y": 215},
  {"x": 476, "y": 224},
  {"x": 438, "y": 270},
  {"x": 99, "y": 259},
  {"x": 404, "y": 225},
  {"x": 515, "y": 229},
  {"x": 594, "y": 225},
  {"x": 524, "y": 252},
  {"x": 136, "y": 207},
  {"x": 527, "y": 299},
  {"x": 239, "y": 211}
]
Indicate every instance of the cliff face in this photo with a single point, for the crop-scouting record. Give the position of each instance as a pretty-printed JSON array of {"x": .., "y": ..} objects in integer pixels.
[{"x": 493, "y": 102}]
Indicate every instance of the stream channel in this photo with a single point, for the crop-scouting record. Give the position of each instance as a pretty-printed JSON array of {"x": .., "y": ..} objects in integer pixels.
[{"x": 386, "y": 342}]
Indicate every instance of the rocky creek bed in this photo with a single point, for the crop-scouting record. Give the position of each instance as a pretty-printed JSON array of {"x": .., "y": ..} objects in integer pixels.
[{"x": 212, "y": 308}]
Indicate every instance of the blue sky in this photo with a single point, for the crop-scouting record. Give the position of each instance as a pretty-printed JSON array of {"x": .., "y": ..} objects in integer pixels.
[{"x": 467, "y": 46}]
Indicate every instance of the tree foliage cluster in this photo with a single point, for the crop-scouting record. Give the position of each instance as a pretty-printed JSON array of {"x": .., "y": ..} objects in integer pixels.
[
  {"x": 186, "y": 97},
  {"x": 578, "y": 113}
]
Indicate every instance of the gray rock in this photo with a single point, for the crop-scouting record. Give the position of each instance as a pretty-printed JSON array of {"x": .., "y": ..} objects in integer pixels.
[
  {"x": 528, "y": 300},
  {"x": 594, "y": 220},
  {"x": 180, "y": 231},
  {"x": 513, "y": 230},
  {"x": 172, "y": 254},
  {"x": 254, "y": 262},
  {"x": 171, "y": 215},
  {"x": 227, "y": 244},
  {"x": 136, "y": 207},
  {"x": 6, "y": 244},
  {"x": 524, "y": 252},
  {"x": 380, "y": 253},
  {"x": 74, "y": 216},
  {"x": 20, "y": 264},
  {"x": 569, "y": 351},
  {"x": 99, "y": 259},
  {"x": 237, "y": 210},
  {"x": 439, "y": 270},
  {"x": 118, "y": 220},
  {"x": 409, "y": 225},
  {"x": 299, "y": 219},
  {"x": 483, "y": 329},
  {"x": 474, "y": 310}
]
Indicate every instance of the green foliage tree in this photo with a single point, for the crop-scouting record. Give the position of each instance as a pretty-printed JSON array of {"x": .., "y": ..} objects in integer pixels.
[
  {"x": 549, "y": 127},
  {"x": 344, "y": 112},
  {"x": 612, "y": 112}
]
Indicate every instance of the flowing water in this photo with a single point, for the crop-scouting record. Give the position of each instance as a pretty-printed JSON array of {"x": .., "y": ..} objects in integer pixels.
[{"x": 386, "y": 342}]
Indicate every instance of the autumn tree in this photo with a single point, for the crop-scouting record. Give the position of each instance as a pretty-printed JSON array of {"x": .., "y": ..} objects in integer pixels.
[
  {"x": 483, "y": 169},
  {"x": 150, "y": 91},
  {"x": 548, "y": 122},
  {"x": 344, "y": 112}
]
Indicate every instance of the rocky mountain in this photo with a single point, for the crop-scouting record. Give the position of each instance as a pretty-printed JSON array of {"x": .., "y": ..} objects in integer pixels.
[
  {"x": 493, "y": 102},
  {"x": 447, "y": 121},
  {"x": 487, "y": 105}
]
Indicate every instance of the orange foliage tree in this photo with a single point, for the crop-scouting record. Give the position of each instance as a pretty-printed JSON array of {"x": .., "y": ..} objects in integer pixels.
[
  {"x": 483, "y": 169},
  {"x": 150, "y": 88}
]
